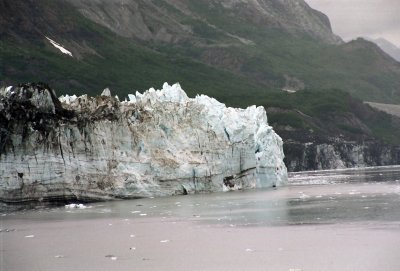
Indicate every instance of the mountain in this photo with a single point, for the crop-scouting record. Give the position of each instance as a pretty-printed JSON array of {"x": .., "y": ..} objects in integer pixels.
[
  {"x": 388, "y": 47},
  {"x": 247, "y": 46},
  {"x": 175, "y": 21}
]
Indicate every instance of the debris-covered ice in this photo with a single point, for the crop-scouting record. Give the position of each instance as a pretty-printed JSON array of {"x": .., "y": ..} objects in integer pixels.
[{"x": 159, "y": 143}]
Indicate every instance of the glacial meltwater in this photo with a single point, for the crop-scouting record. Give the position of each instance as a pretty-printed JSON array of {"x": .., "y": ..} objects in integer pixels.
[{"x": 323, "y": 220}]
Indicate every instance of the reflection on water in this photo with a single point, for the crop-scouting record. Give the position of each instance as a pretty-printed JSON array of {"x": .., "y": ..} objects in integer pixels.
[{"x": 319, "y": 197}]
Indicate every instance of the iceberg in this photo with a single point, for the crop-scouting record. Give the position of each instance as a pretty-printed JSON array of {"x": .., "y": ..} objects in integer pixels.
[{"x": 159, "y": 143}]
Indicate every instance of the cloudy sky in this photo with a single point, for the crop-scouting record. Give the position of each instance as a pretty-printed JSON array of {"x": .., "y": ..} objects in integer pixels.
[{"x": 366, "y": 18}]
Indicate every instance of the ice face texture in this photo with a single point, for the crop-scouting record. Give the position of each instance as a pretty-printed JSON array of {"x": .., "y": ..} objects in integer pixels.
[{"x": 158, "y": 143}]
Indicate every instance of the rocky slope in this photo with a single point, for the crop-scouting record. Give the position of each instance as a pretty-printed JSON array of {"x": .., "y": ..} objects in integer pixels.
[
  {"x": 156, "y": 21},
  {"x": 158, "y": 143},
  {"x": 338, "y": 155},
  {"x": 392, "y": 109},
  {"x": 331, "y": 129}
]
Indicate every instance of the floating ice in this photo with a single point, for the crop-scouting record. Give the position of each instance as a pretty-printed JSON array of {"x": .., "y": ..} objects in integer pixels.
[
  {"x": 75, "y": 206},
  {"x": 7, "y": 230},
  {"x": 303, "y": 196},
  {"x": 112, "y": 257},
  {"x": 30, "y": 236}
]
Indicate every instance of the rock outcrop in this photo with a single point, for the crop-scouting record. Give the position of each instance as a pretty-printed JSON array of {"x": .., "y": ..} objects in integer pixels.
[
  {"x": 336, "y": 155},
  {"x": 157, "y": 144}
]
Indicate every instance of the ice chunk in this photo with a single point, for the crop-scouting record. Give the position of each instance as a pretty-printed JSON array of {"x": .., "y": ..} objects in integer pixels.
[
  {"x": 136, "y": 212},
  {"x": 75, "y": 206},
  {"x": 112, "y": 257}
]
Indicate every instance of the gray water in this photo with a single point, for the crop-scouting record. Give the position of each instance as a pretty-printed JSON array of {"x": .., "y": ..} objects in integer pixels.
[{"x": 322, "y": 220}]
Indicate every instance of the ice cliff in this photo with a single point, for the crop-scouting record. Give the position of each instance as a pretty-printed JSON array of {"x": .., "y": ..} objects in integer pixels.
[{"x": 158, "y": 143}]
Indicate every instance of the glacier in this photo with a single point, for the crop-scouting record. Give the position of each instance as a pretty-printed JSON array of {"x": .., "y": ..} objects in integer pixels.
[{"x": 156, "y": 143}]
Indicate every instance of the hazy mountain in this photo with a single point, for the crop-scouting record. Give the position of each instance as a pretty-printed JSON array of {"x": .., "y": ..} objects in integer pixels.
[{"x": 388, "y": 47}]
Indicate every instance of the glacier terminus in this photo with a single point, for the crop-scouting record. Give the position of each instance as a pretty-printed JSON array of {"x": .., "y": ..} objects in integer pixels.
[{"x": 158, "y": 143}]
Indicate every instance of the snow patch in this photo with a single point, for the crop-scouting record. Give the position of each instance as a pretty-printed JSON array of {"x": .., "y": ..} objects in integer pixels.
[
  {"x": 59, "y": 47},
  {"x": 288, "y": 90}
]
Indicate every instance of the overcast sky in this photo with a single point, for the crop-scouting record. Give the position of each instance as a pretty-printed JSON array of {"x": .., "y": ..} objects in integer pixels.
[{"x": 365, "y": 18}]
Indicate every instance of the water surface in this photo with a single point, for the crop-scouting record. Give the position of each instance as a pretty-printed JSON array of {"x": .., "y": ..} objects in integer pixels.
[{"x": 323, "y": 220}]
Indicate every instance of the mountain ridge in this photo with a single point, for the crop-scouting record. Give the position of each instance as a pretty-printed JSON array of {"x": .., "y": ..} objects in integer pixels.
[
  {"x": 146, "y": 20},
  {"x": 267, "y": 45},
  {"x": 388, "y": 47}
]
